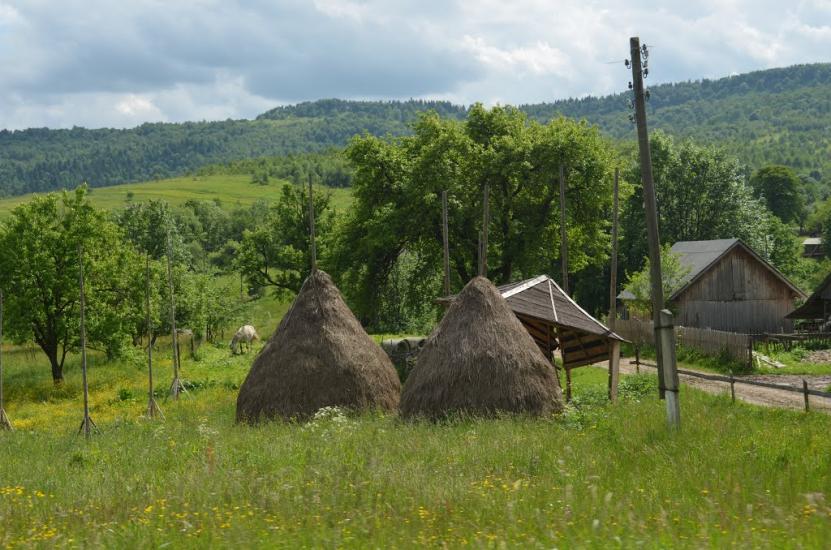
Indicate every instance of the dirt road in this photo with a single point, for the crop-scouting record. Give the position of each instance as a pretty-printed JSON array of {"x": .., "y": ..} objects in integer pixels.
[{"x": 767, "y": 397}]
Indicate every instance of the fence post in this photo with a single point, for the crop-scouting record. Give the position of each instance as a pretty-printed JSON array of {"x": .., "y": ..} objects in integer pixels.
[
  {"x": 637, "y": 359},
  {"x": 732, "y": 387},
  {"x": 805, "y": 393}
]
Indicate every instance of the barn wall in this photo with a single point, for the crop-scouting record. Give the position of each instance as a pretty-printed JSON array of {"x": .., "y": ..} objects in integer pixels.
[{"x": 738, "y": 294}]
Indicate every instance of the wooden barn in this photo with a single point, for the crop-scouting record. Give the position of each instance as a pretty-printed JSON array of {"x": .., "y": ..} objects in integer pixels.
[
  {"x": 817, "y": 308},
  {"x": 729, "y": 287}
]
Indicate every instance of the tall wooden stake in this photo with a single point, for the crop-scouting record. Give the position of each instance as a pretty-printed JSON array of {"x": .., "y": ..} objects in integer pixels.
[
  {"x": 313, "y": 246},
  {"x": 445, "y": 242},
  {"x": 152, "y": 407},
  {"x": 664, "y": 332},
  {"x": 5, "y": 423},
  {"x": 563, "y": 234},
  {"x": 87, "y": 425},
  {"x": 486, "y": 220},
  {"x": 176, "y": 386},
  {"x": 614, "y": 346}
]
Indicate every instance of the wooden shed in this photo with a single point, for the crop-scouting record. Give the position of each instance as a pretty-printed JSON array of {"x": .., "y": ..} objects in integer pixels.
[
  {"x": 730, "y": 287},
  {"x": 817, "y": 307}
]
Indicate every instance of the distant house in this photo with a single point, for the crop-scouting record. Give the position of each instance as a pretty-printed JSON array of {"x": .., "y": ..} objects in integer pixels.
[
  {"x": 812, "y": 247},
  {"x": 730, "y": 287}
]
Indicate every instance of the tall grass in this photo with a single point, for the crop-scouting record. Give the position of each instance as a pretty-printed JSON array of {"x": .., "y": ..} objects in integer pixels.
[{"x": 598, "y": 475}]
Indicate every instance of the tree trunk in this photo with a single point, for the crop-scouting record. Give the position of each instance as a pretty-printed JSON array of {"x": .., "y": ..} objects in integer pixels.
[{"x": 57, "y": 367}]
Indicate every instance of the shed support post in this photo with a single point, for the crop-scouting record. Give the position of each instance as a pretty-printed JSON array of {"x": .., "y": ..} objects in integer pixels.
[{"x": 614, "y": 369}]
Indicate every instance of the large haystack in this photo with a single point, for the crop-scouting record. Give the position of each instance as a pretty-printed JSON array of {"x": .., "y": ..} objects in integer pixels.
[
  {"x": 320, "y": 356},
  {"x": 480, "y": 360}
]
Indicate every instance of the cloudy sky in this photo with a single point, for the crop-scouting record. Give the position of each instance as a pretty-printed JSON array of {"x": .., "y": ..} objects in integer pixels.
[{"x": 120, "y": 63}]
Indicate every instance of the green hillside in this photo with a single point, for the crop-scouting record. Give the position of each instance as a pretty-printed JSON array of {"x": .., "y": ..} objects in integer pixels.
[
  {"x": 230, "y": 191},
  {"x": 774, "y": 116}
]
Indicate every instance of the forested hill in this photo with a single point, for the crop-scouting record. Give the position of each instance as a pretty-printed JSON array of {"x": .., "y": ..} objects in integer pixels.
[{"x": 774, "y": 116}]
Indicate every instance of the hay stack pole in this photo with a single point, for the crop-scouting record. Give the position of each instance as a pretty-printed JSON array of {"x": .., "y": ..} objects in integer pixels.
[
  {"x": 445, "y": 242},
  {"x": 313, "y": 247},
  {"x": 486, "y": 220},
  {"x": 87, "y": 425},
  {"x": 176, "y": 387},
  {"x": 153, "y": 409},
  {"x": 5, "y": 423}
]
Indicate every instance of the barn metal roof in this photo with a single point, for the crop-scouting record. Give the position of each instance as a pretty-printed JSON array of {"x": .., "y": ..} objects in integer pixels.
[{"x": 699, "y": 256}]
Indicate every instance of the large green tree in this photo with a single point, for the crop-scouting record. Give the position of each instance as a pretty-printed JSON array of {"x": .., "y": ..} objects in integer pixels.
[
  {"x": 389, "y": 249},
  {"x": 701, "y": 195},
  {"x": 39, "y": 275},
  {"x": 781, "y": 191}
]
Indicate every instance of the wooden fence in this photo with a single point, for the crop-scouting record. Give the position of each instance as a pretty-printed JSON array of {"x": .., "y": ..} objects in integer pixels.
[{"x": 709, "y": 342}]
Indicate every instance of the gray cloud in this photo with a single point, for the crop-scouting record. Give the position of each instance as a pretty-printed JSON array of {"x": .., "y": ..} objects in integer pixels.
[{"x": 100, "y": 63}]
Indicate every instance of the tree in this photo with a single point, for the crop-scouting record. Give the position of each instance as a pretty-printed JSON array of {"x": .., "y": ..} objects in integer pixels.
[
  {"x": 701, "y": 195},
  {"x": 275, "y": 254},
  {"x": 673, "y": 275},
  {"x": 781, "y": 191},
  {"x": 39, "y": 274},
  {"x": 393, "y": 233}
]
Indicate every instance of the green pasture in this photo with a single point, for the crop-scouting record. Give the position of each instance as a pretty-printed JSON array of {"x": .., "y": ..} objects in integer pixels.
[
  {"x": 599, "y": 475},
  {"x": 231, "y": 191}
]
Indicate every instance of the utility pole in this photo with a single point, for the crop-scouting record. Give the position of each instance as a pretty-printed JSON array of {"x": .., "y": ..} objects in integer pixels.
[
  {"x": 5, "y": 423},
  {"x": 312, "y": 226},
  {"x": 563, "y": 234},
  {"x": 662, "y": 319},
  {"x": 87, "y": 425},
  {"x": 445, "y": 243}
]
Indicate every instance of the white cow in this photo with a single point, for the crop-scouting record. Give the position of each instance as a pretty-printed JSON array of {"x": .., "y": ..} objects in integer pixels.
[{"x": 245, "y": 335}]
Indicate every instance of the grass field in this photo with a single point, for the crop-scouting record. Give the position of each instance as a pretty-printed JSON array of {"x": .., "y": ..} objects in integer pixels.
[
  {"x": 232, "y": 191},
  {"x": 600, "y": 475}
]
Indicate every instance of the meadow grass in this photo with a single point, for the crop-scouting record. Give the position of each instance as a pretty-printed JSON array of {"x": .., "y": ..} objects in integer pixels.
[
  {"x": 231, "y": 191},
  {"x": 596, "y": 476}
]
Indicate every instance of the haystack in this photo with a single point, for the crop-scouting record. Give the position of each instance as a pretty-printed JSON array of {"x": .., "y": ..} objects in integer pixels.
[
  {"x": 480, "y": 360},
  {"x": 320, "y": 356}
]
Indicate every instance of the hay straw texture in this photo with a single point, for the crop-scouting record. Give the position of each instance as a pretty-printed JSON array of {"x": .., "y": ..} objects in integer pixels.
[
  {"x": 319, "y": 356},
  {"x": 480, "y": 361}
]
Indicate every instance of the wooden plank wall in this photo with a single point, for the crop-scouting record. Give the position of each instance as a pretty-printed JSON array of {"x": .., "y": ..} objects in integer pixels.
[{"x": 709, "y": 342}]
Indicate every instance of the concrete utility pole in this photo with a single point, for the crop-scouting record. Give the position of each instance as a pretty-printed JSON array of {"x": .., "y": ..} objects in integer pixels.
[
  {"x": 662, "y": 319},
  {"x": 614, "y": 346},
  {"x": 563, "y": 234},
  {"x": 176, "y": 387}
]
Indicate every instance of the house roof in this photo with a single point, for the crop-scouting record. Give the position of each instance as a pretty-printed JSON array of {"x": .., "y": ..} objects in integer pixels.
[
  {"x": 813, "y": 308},
  {"x": 699, "y": 256}
]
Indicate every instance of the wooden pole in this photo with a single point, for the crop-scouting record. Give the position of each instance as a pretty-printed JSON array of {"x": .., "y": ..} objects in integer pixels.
[
  {"x": 667, "y": 373},
  {"x": 312, "y": 226},
  {"x": 563, "y": 233},
  {"x": 486, "y": 220},
  {"x": 614, "y": 345},
  {"x": 87, "y": 424},
  {"x": 176, "y": 387},
  {"x": 445, "y": 242},
  {"x": 5, "y": 423},
  {"x": 805, "y": 393},
  {"x": 152, "y": 407}
]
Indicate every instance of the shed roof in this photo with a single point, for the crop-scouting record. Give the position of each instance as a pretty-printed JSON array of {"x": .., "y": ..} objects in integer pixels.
[
  {"x": 813, "y": 308},
  {"x": 553, "y": 318},
  {"x": 699, "y": 256}
]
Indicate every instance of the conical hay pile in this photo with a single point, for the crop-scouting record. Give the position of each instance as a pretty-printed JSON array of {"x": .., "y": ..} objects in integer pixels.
[
  {"x": 320, "y": 356},
  {"x": 480, "y": 360}
]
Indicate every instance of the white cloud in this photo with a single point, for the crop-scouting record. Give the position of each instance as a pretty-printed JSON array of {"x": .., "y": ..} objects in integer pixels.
[{"x": 99, "y": 63}]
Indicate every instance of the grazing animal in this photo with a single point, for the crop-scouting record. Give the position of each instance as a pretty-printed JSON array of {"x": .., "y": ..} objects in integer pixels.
[{"x": 243, "y": 338}]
